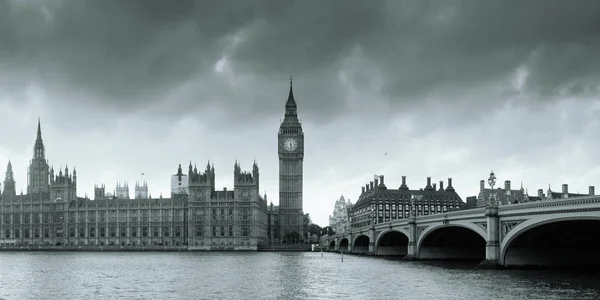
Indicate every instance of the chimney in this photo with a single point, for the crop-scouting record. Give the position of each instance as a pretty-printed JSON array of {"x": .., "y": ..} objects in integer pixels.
[
  {"x": 434, "y": 187},
  {"x": 376, "y": 184},
  {"x": 371, "y": 185},
  {"x": 565, "y": 188},
  {"x": 541, "y": 193},
  {"x": 403, "y": 180},
  {"x": 507, "y": 185},
  {"x": 482, "y": 185},
  {"x": 225, "y": 189},
  {"x": 428, "y": 181},
  {"x": 381, "y": 180},
  {"x": 363, "y": 189},
  {"x": 592, "y": 190},
  {"x": 449, "y": 182},
  {"x": 441, "y": 185}
]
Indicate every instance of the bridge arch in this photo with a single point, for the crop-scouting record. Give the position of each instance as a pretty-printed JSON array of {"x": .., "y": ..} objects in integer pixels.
[
  {"x": 344, "y": 245},
  {"x": 392, "y": 242},
  {"x": 548, "y": 240},
  {"x": 360, "y": 244},
  {"x": 456, "y": 240}
]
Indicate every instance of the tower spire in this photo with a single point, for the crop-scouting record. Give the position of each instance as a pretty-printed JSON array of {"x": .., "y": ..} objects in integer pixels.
[
  {"x": 290, "y": 100},
  {"x": 39, "y": 130}
]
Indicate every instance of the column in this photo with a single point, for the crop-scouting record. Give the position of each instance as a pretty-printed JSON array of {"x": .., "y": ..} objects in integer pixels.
[
  {"x": 412, "y": 251},
  {"x": 372, "y": 240},
  {"x": 492, "y": 248}
]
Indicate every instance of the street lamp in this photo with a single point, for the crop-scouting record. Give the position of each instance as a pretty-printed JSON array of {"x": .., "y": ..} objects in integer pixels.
[
  {"x": 413, "y": 207},
  {"x": 492, "y": 182}
]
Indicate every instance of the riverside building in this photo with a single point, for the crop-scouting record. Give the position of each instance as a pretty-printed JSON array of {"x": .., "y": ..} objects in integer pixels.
[{"x": 51, "y": 214}]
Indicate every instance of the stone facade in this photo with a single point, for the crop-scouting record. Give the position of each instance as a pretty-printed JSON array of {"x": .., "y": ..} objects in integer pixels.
[
  {"x": 291, "y": 157},
  {"x": 378, "y": 204},
  {"x": 339, "y": 221},
  {"x": 507, "y": 195},
  {"x": 51, "y": 214}
]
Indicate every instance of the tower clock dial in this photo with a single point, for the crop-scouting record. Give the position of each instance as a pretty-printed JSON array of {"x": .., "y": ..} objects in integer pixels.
[{"x": 290, "y": 144}]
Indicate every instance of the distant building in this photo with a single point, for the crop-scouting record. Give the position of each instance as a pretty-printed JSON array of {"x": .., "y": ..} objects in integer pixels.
[
  {"x": 506, "y": 195},
  {"x": 378, "y": 204},
  {"x": 340, "y": 219},
  {"x": 122, "y": 191},
  {"x": 141, "y": 190},
  {"x": 179, "y": 183}
]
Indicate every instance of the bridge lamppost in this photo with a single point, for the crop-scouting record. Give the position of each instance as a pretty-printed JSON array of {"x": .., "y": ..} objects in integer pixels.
[
  {"x": 492, "y": 182},
  {"x": 492, "y": 248}
]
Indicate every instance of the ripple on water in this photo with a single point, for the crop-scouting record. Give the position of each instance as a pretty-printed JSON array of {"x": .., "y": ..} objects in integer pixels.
[{"x": 106, "y": 275}]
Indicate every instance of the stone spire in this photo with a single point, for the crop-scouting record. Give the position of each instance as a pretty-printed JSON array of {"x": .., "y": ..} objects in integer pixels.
[
  {"x": 38, "y": 149},
  {"x": 290, "y": 105},
  {"x": 9, "y": 182}
]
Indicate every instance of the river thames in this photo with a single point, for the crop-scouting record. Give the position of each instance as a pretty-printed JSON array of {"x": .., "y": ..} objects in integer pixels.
[{"x": 211, "y": 275}]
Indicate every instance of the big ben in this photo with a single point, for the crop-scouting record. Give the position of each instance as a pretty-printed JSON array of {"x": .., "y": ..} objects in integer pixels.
[{"x": 291, "y": 156}]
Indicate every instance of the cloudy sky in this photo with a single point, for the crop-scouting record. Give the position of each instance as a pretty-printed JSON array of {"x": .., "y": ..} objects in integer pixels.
[{"x": 445, "y": 88}]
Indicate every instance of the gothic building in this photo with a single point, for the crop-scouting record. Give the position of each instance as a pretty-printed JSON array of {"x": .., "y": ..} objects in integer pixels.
[
  {"x": 291, "y": 156},
  {"x": 52, "y": 215},
  {"x": 339, "y": 221}
]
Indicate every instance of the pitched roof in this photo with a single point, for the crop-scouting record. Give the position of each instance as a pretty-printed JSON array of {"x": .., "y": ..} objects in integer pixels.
[{"x": 403, "y": 196}]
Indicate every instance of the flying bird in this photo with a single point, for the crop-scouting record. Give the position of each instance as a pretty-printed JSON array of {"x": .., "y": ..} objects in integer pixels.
[{"x": 385, "y": 153}]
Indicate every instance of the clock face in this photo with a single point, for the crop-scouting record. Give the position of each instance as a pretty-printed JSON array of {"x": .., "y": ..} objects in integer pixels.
[{"x": 290, "y": 144}]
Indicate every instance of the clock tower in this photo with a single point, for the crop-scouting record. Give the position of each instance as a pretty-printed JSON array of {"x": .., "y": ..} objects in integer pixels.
[{"x": 291, "y": 156}]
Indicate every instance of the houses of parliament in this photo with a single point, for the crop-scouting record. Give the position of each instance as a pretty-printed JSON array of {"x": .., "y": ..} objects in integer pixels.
[{"x": 195, "y": 217}]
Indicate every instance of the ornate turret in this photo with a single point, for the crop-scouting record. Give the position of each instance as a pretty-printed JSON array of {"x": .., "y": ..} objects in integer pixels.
[
  {"x": 9, "y": 183},
  {"x": 63, "y": 186},
  {"x": 141, "y": 190},
  {"x": 243, "y": 178},
  {"x": 38, "y": 174}
]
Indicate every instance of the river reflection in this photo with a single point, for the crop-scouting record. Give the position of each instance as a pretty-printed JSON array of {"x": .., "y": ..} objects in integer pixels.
[{"x": 198, "y": 275}]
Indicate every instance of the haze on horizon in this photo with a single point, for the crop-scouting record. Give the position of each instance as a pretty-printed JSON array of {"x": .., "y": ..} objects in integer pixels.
[{"x": 445, "y": 88}]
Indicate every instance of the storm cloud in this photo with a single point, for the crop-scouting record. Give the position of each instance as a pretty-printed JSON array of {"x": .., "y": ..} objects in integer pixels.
[{"x": 448, "y": 88}]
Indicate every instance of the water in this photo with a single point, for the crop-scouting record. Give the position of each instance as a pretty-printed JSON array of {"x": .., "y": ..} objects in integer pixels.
[{"x": 167, "y": 275}]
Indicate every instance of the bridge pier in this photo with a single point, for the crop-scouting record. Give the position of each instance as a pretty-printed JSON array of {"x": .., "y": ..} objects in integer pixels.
[
  {"x": 492, "y": 248},
  {"x": 412, "y": 251},
  {"x": 372, "y": 245}
]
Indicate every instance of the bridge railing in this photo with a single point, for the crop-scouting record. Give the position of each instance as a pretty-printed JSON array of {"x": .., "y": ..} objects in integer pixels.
[
  {"x": 573, "y": 201},
  {"x": 453, "y": 214}
]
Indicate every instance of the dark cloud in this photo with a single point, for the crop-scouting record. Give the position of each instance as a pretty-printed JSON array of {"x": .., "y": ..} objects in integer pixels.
[{"x": 137, "y": 52}]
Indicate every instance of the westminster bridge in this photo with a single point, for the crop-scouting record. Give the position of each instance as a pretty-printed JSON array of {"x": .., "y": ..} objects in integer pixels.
[{"x": 542, "y": 233}]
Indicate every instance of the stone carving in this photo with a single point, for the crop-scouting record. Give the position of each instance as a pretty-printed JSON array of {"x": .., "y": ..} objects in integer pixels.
[
  {"x": 508, "y": 226},
  {"x": 482, "y": 225},
  {"x": 420, "y": 230},
  {"x": 407, "y": 228}
]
